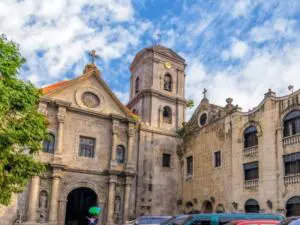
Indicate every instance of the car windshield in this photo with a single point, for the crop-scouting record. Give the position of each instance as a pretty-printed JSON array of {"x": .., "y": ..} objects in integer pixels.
[{"x": 156, "y": 220}]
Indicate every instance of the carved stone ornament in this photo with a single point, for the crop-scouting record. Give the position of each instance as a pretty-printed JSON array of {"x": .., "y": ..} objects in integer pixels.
[
  {"x": 131, "y": 130},
  {"x": 61, "y": 114},
  {"x": 115, "y": 127},
  {"x": 90, "y": 99}
]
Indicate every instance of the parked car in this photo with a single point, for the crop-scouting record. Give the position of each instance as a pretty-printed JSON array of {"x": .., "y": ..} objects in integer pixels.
[
  {"x": 153, "y": 220},
  {"x": 295, "y": 220},
  {"x": 223, "y": 218},
  {"x": 176, "y": 220},
  {"x": 253, "y": 222}
]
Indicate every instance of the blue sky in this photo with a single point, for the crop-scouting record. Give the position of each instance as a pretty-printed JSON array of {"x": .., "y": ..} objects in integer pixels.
[{"x": 234, "y": 48}]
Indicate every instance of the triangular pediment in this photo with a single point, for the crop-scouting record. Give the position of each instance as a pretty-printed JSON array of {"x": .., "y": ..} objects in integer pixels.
[
  {"x": 88, "y": 92},
  {"x": 213, "y": 112}
]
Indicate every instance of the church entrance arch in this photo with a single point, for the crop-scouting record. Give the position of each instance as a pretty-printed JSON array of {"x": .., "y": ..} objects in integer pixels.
[
  {"x": 293, "y": 206},
  {"x": 252, "y": 206},
  {"x": 78, "y": 204}
]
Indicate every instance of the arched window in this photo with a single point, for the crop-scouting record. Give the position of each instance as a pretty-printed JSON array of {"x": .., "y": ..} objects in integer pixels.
[
  {"x": 120, "y": 154},
  {"x": 251, "y": 206},
  {"x": 167, "y": 114},
  {"x": 168, "y": 82},
  {"x": 292, "y": 123},
  {"x": 48, "y": 145},
  {"x": 250, "y": 137},
  {"x": 137, "y": 85},
  {"x": 293, "y": 206}
]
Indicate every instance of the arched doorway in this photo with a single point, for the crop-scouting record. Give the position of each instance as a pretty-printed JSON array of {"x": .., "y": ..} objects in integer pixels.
[
  {"x": 207, "y": 207},
  {"x": 251, "y": 206},
  {"x": 79, "y": 202},
  {"x": 293, "y": 206}
]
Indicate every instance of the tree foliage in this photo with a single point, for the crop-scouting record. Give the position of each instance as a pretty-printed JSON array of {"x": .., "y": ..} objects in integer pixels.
[{"x": 22, "y": 127}]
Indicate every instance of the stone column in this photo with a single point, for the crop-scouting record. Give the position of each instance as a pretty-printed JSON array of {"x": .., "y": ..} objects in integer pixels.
[
  {"x": 33, "y": 198},
  {"x": 111, "y": 199},
  {"x": 60, "y": 132},
  {"x": 131, "y": 132},
  {"x": 127, "y": 198},
  {"x": 115, "y": 133},
  {"x": 53, "y": 214}
]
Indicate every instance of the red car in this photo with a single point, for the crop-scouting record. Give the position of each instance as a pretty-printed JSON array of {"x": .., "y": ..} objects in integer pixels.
[{"x": 254, "y": 222}]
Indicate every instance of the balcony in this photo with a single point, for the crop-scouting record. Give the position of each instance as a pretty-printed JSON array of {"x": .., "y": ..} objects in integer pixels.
[
  {"x": 292, "y": 179},
  {"x": 251, "y": 151},
  {"x": 290, "y": 140},
  {"x": 251, "y": 184}
]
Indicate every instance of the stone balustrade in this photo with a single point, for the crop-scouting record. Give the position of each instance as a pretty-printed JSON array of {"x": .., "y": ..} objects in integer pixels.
[
  {"x": 251, "y": 151},
  {"x": 294, "y": 139},
  {"x": 251, "y": 184},
  {"x": 292, "y": 179}
]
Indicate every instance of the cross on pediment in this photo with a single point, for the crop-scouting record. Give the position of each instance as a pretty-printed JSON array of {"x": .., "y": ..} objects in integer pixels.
[
  {"x": 93, "y": 56},
  {"x": 204, "y": 92}
]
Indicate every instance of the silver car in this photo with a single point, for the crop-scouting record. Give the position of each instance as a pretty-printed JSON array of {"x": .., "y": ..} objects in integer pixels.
[{"x": 152, "y": 220}]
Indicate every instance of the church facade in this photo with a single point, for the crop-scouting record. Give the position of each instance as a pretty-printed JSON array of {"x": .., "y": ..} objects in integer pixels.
[{"x": 142, "y": 159}]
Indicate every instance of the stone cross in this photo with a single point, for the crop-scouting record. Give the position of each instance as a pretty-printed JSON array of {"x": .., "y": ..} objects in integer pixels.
[
  {"x": 204, "y": 92},
  {"x": 93, "y": 56}
]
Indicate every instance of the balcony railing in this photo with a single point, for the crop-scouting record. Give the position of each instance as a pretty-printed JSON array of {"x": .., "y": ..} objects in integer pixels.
[
  {"x": 251, "y": 151},
  {"x": 292, "y": 179},
  {"x": 251, "y": 184},
  {"x": 291, "y": 140}
]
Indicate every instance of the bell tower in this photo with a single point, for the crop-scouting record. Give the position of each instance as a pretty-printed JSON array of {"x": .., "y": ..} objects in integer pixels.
[
  {"x": 157, "y": 96},
  {"x": 157, "y": 87}
]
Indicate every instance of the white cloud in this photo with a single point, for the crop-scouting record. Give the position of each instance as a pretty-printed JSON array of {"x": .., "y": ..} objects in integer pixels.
[
  {"x": 238, "y": 50},
  {"x": 274, "y": 29},
  {"x": 248, "y": 84},
  {"x": 241, "y": 8},
  {"x": 64, "y": 30}
]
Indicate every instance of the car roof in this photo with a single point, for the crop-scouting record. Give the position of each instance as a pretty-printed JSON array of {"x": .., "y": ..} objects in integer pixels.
[
  {"x": 237, "y": 215},
  {"x": 149, "y": 217},
  {"x": 255, "y": 221}
]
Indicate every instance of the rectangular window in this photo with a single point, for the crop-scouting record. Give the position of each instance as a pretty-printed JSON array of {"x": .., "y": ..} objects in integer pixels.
[
  {"x": 292, "y": 163},
  {"x": 251, "y": 171},
  {"x": 166, "y": 161},
  {"x": 150, "y": 187},
  {"x": 87, "y": 146},
  {"x": 217, "y": 159},
  {"x": 189, "y": 166}
]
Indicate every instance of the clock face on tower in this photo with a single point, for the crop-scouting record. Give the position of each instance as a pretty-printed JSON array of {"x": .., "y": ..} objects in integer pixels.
[{"x": 168, "y": 65}]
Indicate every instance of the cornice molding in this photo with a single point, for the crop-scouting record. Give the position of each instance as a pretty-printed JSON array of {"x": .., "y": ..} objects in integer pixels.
[
  {"x": 152, "y": 92},
  {"x": 159, "y": 131}
]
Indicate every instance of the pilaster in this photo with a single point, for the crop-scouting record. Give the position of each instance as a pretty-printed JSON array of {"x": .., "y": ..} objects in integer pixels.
[
  {"x": 115, "y": 135},
  {"x": 111, "y": 198},
  {"x": 56, "y": 176},
  {"x": 127, "y": 198},
  {"x": 131, "y": 133},
  {"x": 33, "y": 198},
  {"x": 60, "y": 133}
]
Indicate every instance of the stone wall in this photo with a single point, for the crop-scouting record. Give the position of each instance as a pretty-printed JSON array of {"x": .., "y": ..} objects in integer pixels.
[{"x": 227, "y": 184}]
